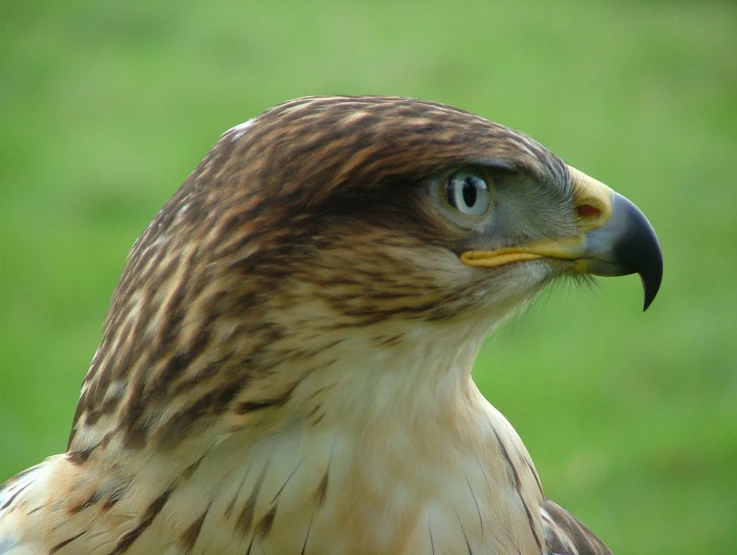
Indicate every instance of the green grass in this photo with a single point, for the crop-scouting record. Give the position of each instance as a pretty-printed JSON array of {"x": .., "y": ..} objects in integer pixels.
[{"x": 631, "y": 418}]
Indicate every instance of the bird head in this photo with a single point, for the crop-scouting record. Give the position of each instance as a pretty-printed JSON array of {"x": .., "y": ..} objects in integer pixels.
[{"x": 330, "y": 226}]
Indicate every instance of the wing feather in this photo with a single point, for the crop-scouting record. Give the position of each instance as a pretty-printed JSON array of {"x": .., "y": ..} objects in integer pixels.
[{"x": 566, "y": 535}]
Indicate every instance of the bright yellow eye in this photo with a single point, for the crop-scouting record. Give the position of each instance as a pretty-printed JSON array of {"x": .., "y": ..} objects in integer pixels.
[{"x": 468, "y": 192}]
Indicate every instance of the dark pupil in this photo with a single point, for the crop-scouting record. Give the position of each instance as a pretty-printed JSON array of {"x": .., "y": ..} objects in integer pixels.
[{"x": 469, "y": 192}]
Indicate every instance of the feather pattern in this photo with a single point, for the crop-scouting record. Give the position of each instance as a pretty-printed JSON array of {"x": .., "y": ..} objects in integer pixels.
[{"x": 286, "y": 363}]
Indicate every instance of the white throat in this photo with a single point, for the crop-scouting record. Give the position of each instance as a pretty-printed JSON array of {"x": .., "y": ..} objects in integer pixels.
[{"x": 397, "y": 449}]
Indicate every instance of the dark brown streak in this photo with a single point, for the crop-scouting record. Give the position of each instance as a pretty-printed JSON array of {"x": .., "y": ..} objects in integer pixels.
[
  {"x": 168, "y": 333},
  {"x": 478, "y": 510},
  {"x": 307, "y": 535},
  {"x": 127, "y": 539},
  {"x": 245, "y": 518},
  {"x": 322, "y": 489},
  {"x": 94, "y": 498},
  {"x": 207, "y": 405},
  {"x": 322, "y": 348},
  {"x": 174, "y": 367},
  {"x": 250, "y": 406},
  {"x": 250, "y": 545},
  {"x": 510, "y": 464},
  {"x": 468, "y": 545},
  {"x": 518, "y": 488},
  {"x": 322, "y": 389},
  {"x": 16, "y": 494},
  {"x": 287, "y": 480},
  {"x": 264, "y": 526},
  {"x": 231, "y": 505},
  {"x": 229, "y": 508},
  {"x": 391, "y": 340},
  {"x": 210, "y": 371},
  {"x": 192, "y": 468},
  {"x": 135, "y": 434},
  {"x": 189, "y": 537},
  {"x": 313, "y": 410},
  {"x": 531, "y": 522},
  {"x": 78, "y": 458},
  {"x": 59, "y": 545},
  {"x": 116, "y": 496},
  {"x": 486, "y": 476},
  {"x": 432, "y": 543}
]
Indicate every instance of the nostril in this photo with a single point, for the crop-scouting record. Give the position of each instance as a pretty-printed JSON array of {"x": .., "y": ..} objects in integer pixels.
[{"x": 588, "y": 212}]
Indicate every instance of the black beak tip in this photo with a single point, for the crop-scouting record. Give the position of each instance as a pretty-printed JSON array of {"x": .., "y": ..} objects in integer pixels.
[
  {"x": 640, "y": 250},
  {"x": 648, "y": 261},
  {"x": 651, "y": 284}
]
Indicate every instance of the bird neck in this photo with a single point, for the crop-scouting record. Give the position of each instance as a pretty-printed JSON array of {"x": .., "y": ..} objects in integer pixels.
[
  {"x": 425, "y": 375},
  {"x": 397, "y": 440}
]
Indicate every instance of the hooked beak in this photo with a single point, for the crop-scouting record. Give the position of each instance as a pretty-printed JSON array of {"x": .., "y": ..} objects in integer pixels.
[{"x": 616, "y": 239}]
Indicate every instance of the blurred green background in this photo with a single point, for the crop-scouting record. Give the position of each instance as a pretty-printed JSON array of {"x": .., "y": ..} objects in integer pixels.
[{"x": 631, "y": 418}]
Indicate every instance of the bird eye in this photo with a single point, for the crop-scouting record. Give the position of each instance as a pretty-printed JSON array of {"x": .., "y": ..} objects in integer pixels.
[{"x": 468, "y": 193}]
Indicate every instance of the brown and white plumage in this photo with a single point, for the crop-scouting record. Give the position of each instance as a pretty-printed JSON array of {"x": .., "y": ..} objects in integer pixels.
[{"x": 285, "y": 366}]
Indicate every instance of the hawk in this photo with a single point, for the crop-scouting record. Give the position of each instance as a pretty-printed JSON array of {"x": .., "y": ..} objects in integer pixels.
[{"x": 285, "y": 367}]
